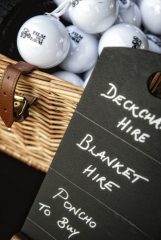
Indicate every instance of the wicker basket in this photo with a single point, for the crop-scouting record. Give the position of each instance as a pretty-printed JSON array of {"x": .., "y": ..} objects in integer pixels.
[{"x": 36, "y": 140}]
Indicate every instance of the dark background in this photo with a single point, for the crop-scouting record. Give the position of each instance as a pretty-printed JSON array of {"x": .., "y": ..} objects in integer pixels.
[
  {"x": 18, "y": 186},
  {"x": 18, "y": 183}
]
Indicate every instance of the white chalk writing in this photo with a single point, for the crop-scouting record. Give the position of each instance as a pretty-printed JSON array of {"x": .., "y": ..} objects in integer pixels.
[
  {"x": 87, "y": 144},
  {"x": 130, "y": 106}
]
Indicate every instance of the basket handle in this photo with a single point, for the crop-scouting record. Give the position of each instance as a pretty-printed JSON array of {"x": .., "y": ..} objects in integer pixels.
[{"x": 7, "y": 94}]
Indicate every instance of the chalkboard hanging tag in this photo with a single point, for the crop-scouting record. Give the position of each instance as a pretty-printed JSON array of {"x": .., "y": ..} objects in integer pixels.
[{"x": 105, "y": 180}]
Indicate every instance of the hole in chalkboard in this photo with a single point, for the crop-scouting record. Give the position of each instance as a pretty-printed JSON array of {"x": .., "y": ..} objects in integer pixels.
[{"x": 154, "y": 84}]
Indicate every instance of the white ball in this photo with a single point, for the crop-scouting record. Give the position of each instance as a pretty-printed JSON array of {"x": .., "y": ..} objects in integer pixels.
[
  {"x": 135, "y": 1},
  {"x": 66, "y": 14},
  {"x": 154, "y": 43},
  {"x": 151, "y": 15},
  {"x": 43, "y": 41},
  {"x": 130, "y": 15},
  {"x": 70, "y": 77},
  {"x": 123, "y": 35},
  {"x": 87, "y": 76},
  {"x": 94, "y": 16},
  {"x": 83, "y": 52},
  {"x": 124, "y": 3}
]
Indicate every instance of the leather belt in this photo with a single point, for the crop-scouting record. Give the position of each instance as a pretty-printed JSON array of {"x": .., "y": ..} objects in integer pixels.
[
  {"x": 7, "y": 94},
  {"x": 20, "y": 236}
]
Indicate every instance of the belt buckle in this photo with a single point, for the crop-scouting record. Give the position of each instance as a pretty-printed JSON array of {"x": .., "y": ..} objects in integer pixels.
[{"x": 21, "y": 106}]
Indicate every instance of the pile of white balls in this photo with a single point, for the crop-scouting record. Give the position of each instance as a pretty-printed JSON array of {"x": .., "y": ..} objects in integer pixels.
[{"x": 92, "y": 25}]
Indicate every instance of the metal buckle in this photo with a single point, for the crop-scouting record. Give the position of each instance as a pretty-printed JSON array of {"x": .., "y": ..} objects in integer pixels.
[{"x": 21, "y": 106}]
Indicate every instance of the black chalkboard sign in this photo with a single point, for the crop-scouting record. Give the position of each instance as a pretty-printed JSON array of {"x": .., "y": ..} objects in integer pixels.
[{"x": 105, "y": 180}]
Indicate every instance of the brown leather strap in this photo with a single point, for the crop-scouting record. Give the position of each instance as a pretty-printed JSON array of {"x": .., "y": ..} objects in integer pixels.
[
  {"x": 155, "y": 85},
  {"x": 20, "y": 236},
  {"x": 7, "y": 89}
]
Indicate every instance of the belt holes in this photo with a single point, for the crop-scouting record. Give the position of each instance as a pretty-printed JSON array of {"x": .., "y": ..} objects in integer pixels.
[
  {"x": 4, "y": 93},
  {"x": 5, "y": 109}
]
